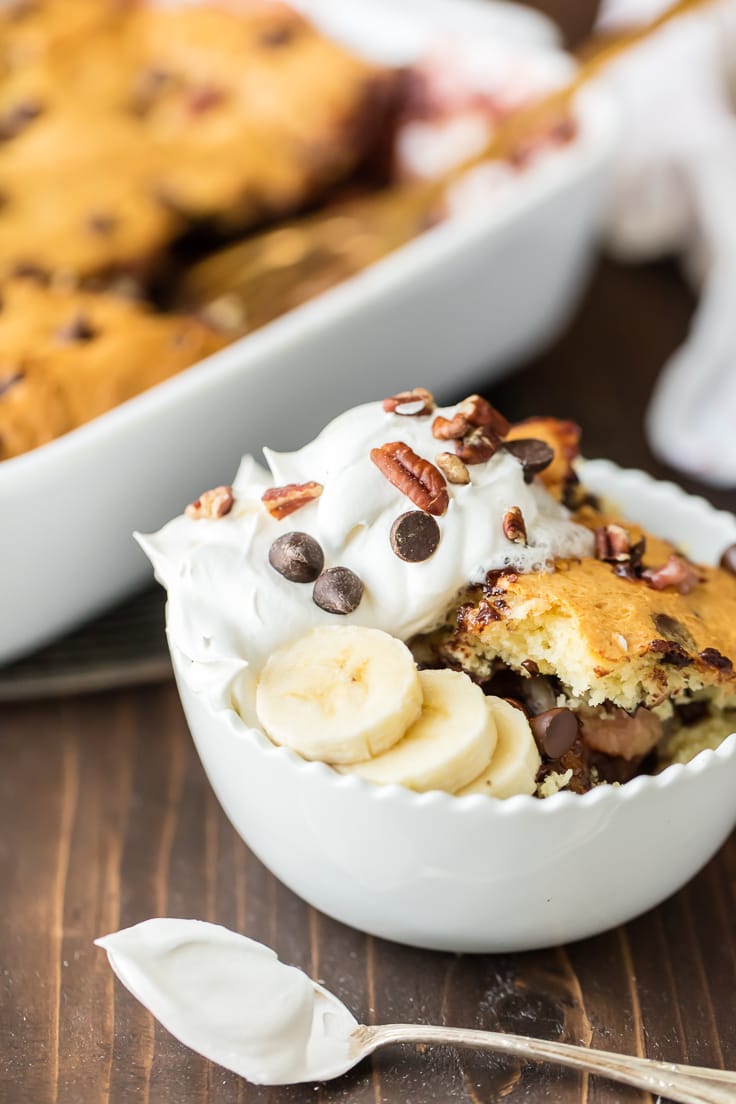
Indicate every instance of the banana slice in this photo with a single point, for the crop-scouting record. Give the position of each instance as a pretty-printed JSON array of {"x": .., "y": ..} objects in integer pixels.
[
  {"x": 339, "y": 693},
  {"x": 516, "y": 760},
  {"x": 451, "y": 743}
]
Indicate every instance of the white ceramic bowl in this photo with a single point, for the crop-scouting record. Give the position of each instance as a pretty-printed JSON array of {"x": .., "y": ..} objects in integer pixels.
[
  {"x": 477, "y": 292},
  {"x": 476, "y": 873}
]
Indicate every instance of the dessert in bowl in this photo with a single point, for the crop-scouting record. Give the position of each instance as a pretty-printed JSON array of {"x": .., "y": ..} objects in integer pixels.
[{"x": 443, "y": 690}]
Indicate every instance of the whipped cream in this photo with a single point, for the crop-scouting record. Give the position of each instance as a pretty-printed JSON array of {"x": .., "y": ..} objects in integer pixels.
[
  {"x": 228, "y": 609},
  {"x": 230, "y": 999}
]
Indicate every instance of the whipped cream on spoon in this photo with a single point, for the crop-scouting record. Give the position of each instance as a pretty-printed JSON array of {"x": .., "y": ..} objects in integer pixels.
[{"x": 232, "y": 1000}]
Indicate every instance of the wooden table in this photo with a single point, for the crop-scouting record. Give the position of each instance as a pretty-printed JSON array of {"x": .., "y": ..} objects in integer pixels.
[{"x": 106, "y": 818}]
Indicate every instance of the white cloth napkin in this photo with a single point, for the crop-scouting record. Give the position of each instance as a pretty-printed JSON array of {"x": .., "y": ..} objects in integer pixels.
[{"x": 675, "y": 191}]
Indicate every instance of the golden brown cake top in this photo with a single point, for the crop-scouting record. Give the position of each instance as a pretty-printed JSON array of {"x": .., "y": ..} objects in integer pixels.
[
  {"x": 635, "y": 627},
  {"x": 67, "y": 356},
  {"x": 123, "y": 122}
]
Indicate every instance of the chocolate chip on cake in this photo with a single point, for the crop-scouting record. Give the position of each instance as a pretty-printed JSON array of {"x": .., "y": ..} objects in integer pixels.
[
  {"x": 415, "y": 536},
  {"x": 714, "y": 659},
  {"x": 338, "y": 590},
  {"x": 17, "y": 118},
  {"x": 101, "y": 223},
  {"x": 6, "y": 382},
  {"x": 297, "y": 556},
  {"x": 670, "y": 652},
  {"x": 672, "y": 629},
  {"x": 77, "y": 328},
  {"x": 533, "y": 455},
  {"x": 555, "y": 731}
]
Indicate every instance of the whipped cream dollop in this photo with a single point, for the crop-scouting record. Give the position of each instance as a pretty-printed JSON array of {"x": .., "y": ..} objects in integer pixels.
[
  {"x": 228, "y": 609},
  {"x": 232, "y": 1000}
]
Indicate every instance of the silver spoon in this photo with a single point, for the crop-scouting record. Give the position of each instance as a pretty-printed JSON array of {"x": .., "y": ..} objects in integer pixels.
[
  {"x": 232, "y": 1000},
  {"x": 683, "y": 1083}
]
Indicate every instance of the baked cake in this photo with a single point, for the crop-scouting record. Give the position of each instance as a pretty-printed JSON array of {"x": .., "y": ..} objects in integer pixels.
[
  {"x": 68, "y": 355},
  {"x": 121, "y": 124},
  {"x": 430, "y": 598}
]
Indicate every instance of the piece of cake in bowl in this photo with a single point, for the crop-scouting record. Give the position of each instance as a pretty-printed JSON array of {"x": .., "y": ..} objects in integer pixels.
[{"x": 399, "y": 657}]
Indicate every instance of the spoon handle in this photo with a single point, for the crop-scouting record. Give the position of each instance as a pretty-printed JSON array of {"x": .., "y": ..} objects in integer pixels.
[{"x": 686, "y": 1084}]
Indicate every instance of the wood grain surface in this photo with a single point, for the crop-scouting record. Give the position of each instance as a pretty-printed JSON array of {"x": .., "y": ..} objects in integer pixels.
[{"x": 106, "y": 818}]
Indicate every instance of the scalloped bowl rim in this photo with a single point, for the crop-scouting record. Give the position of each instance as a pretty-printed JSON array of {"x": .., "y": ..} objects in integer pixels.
[{"x": 486, "y": 804}]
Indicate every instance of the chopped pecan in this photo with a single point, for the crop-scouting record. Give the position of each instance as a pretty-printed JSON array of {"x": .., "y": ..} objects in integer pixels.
[
  {"x": 632, "y": 566},
  {"x": 514, "y": 526},
  {"x": 410, "y": 403},
  {"x": 612, "y": 544},
  {"x": 415, "y": 477},
  {"x": 452, "y": 467},
  {"x": 477, "y": 446},
  {"x": 676, "y": 572},
  {"x": 473, "y": 411},
  {"x": 282, "y": 501},
  {"x": 479, "y": 412},
  {"x": 211, "y": 505}
]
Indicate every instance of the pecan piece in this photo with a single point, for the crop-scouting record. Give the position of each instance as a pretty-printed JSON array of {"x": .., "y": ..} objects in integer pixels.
[
  {"x": 479, "y": 412},
  {"x": 452, "y": 468},
  {"x": 478, "y": 445},
  {"x": 612, "y": 544},
  {"x": 211, "y": 505},
  {"x": 415, "y": 477},
  {"x": 676, "y": 572},
  {"x": 514, "y": 526},
  {"x": 410, "y": 403},
  {"x": 282, "y": 501},
  {"x": 473, "y": 411}
]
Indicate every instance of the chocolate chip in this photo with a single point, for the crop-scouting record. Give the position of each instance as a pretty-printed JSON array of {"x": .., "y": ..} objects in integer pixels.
[
  {"x": 101, "y": 224},
  {"x": 714, "y": 659},
  {"x": 147, "y": 87},
  {"x": 691, "y": 712},
  {"x": 17, "y": 118},
  {"x": 415, "y": 536},
  {"x": 538, "y": 694},
  {"x": 672, "y": 629},
  {"x": 6, "y": 382},
  {"x": 76, "y": 329},
  {"x": 555, "y": 732},
  {"x": 338, "y": 590},
  {"x": 670, "y": 652},
  {"x": 27, "y": 270},
  {"x": 517, "y": 705},
  {"x": 277, "y": 36},
  {"x": 728, "y": 559},
  {"x": 530, "y": 666},
  {"x": 297, "y": 556},
  {"x": 533, "y": 455}
]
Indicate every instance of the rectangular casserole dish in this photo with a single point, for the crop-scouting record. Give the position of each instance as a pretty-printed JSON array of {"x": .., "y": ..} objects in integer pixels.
[{"x": 473, "y": 293}]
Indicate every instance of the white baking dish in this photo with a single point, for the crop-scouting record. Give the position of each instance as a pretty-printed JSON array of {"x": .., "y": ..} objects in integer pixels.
[{"x": 475, "y": 292}]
